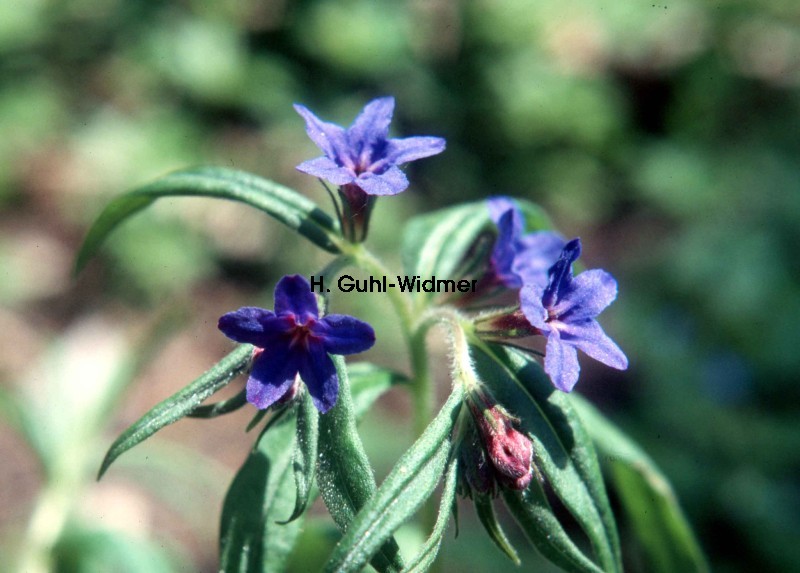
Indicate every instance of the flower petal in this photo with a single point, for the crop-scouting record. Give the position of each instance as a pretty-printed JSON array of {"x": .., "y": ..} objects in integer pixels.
[
  {"x": 342, "y": 334},
  {"x": 327, "y": 169},
  {"x": 504, "y": 254},
  {"x": 293, "y": 294},
  {"x": 589, "y": 337},
  {"x": 371, "y": 127},
  {"x": 587, "y": 296},
  {"x": 498, "y": 205},
  {"x": 401, "y": 151},
  {"x": 319, "y": 374},
  {"x": 254, "y": 325},
  {"x": 272, "y": 375},
  {"x": 329, "y": 137},
  {"x": 391, "y": 182},
  {"x": 537, "y": 252},
  {"x": 530, "y": 297},
  {"x": 561, "y": 362}
]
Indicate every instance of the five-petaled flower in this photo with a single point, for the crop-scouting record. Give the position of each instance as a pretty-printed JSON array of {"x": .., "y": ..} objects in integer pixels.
[
  {"x": 518, "y": 258},
  {"x": 295, "y": 341},
  {"x": 564, "y": 311},
  {"x": 362, "y": 154}
]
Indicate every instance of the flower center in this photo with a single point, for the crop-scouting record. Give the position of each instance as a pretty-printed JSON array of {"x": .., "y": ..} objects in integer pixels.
[{"x": 301, "y": 335}]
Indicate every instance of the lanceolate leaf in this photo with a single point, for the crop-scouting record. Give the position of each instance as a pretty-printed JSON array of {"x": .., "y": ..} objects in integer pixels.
[
  {"x": 646, "y": 496},
  {"x": 251, "y": 539},
  {"x": 305, "y": 453},
  {"x": 408, "y": 485},
  {"x": 565, "y": 453},
  {"x": 286, "y": 205},
  {"x": 485, "y": 511},
  {"x": 219, "y": 408},
  {"x": 424, "y": 559},
  {"x": 181, "y": 404},
  {"x": 344, "y": 474},
  {"x": 535, "y": 516},
  {"x": 436, "y": 243}
]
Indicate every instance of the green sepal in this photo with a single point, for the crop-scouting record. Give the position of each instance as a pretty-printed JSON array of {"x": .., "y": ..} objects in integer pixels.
[
  {"x": 564, "y": 451},
  {"x": 180, "y": 404},
  {"x": 447, "y": 506},
  {"x": 219, "y": 408},
  {"x": 344, "y": 475},
  {"x": 647, "y": 498},
  {"x": 412, "y": 481},
  {"x": 485, "y": 510},
  {"x": 286, "y": 205},
  {"x": 304, "y": 458}
]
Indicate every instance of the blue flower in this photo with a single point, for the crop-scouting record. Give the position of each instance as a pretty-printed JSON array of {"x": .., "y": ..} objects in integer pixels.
[
  {"x": 517, "y": 258},
  {"x": 295, "y": 340},
  {"x": 361, "y": 154},
  {"x": 564, "y": 311}
]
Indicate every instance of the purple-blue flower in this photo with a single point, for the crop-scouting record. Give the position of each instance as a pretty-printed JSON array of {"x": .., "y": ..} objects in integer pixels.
[
  {"x": 362, "y": 154},
  {"x": 564, "y": 310},
  {"x": 518, "y": 258},
  {"x": 295, "y": 340}
]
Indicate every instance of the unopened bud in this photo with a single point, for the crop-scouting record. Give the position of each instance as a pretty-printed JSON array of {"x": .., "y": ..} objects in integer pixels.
[{"x": 509, "y": 450}]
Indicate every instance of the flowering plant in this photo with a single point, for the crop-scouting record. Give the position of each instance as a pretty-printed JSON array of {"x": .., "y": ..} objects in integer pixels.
[{"x": 498, "y": 281}]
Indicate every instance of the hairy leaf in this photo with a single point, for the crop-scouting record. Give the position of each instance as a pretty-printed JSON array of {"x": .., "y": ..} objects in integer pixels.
[
  {"x": 344, "y": 474},
  {"x": 565, "y": 453},
  {"x": 305, "y": 453},
  {"x": 287, "y": 206},
  {"x": 179, "y": 405},
  {"x": 485, "y": 511},
  {"x": 408, "y": 485},
  {"x": 647, "y": 497},
  {"x": 427, "y": 554},
  {"x": 219, "y": 408}
]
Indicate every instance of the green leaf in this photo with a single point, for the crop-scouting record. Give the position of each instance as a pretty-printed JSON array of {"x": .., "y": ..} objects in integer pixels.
[
  {"x": 647, "y": 497},
  {"x": 181, "y": 404},
  {"x": 287, "y": 206},
  {"x": 305, "y": 453},
  {"x": 534, "y": 515},
  {"x": 564, "y": 452},
  {"x": 485, "y": 510},
  {"x": 436, "y": 243},
  {"x": 219, "y": 408},
  {"x": 344, "y": 474},
  {"x": 408, "y": 485},
  {"x": 427, "y": 554},
  {"x": 251, "y": 540}
]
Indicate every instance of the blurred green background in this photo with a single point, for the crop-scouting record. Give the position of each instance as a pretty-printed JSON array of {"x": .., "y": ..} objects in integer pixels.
[{"x": 665, "y": 135}]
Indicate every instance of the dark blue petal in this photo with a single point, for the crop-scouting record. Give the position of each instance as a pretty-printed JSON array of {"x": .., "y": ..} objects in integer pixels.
[
  {"x": 319, "y": 374},
  {"x": 327, "y": 169},
  {"x": 293, "y": 294},
  {"x": 560, "y": 274},
  {"x": 272, "y": 375},
  {"x": 498, "y": 206},
  {"x": 342, "y": 334},
  {"x": 391, "y": 182},
  {"x": 329, "y": 137},
  {"x": 561, "y": 362},
  {"x": 589, "y": 337},
  {"x": 370, "y": 129},
  {"x": 589, "y": 293},
  {"x": 254, "y": 325},
  {"x": 408, "y": 149}
]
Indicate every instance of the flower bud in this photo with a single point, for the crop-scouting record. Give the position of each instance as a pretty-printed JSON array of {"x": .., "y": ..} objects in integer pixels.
[{"x": 510, "y": 451}]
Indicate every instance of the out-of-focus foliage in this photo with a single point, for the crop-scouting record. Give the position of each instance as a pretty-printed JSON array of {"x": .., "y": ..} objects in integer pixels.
[{"x": 665, "y": 134}]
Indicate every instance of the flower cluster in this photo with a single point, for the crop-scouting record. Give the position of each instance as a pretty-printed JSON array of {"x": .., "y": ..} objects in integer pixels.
[{"x": 294, "y": 341}]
